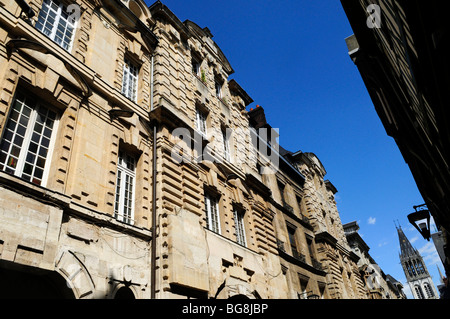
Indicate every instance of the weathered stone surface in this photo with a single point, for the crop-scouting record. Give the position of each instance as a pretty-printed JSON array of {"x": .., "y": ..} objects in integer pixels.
[{"x": 70, "y": 225}]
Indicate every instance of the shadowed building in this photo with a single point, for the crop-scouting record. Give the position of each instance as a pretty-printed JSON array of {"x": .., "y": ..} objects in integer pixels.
[{"x": 400, "y": 49}]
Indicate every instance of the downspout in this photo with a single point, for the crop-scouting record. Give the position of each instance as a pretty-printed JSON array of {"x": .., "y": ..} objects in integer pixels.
[
  {"x": 153, "y": 256},
  {"x": 153, "y": 252},
  {"x": 151, "y": 81}
]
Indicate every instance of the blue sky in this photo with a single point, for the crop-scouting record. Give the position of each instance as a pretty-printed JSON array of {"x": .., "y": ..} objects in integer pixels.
[{"x": 291, "y": 58}]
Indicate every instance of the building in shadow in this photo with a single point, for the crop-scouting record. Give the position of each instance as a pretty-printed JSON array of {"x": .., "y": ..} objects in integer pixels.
[{"x": 400, "y": 49}]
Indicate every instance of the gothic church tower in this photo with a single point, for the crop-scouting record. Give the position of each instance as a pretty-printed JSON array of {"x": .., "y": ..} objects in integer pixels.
[{"x": 416, "y": 272}]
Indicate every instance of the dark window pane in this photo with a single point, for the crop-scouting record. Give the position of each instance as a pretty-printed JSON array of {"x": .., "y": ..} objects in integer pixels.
[
  {"x": 24, "y": 120},
  {"x": 18, "y": 140},
  {"x": 49, "y": 123},
  {"x": 21, "y": 130},
  {"x": 30, "y": 158},
  {"x": 8, "y": 135},
  {"x": 35, "y": 138},
  {"x": 51, "y": 115},
  {"x": 38, "y": 128},
  {"x": 40, "y": 118},
  {"x": 45, "y": 142},
  {"x": 15, "y": 151},
  {"x": 5, "y": 146},
  {"x": 2, "y": 157},
  {"x": 27, "y": 169},
  {"x": 33, "y": 147},
  {"x": 47, "y": 132},
  {"x": 11, "y": 125},
  {"x": 14, "y": 115},
  {"x": 27, "y": 109},
  {"x": 38, "y": 173},
  {"x": 43, "y": 151},
  {"x": 40, "y": 162}
]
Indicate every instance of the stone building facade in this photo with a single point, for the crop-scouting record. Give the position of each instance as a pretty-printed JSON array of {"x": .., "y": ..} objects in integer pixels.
[
  {"x": 378, "y": 285},
  {"x": 130, "y": 167}
]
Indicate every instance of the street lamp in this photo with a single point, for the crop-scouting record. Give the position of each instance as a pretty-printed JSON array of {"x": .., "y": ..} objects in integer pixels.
[{"x": 420, "y": 219}]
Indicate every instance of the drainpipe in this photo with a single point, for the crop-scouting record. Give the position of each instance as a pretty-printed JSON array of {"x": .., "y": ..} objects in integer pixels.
[
  {"x": 151, "y": 82},
  {"x": 153, "y": 256},
  {"x": 153, "y": 252}
]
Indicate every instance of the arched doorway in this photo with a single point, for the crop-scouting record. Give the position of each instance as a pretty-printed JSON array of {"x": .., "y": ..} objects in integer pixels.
[
  {"x": 124, "y": 293},
  {"x": 32, "y": 283},
  {"x": 239, "y": 297}
]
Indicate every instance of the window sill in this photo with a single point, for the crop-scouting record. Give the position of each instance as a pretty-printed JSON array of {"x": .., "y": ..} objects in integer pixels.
[
  {"x": 28, "y": 189},
  {"x": 66, "y": 203}
]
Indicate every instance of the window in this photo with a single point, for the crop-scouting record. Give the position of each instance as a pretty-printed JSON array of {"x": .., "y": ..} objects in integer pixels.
[
  {"x": 309, "y": 242},
  {"x": 293, "y": 242},
  {"x": 419, "y": 292},
  {"x": 125, "y": 185},
  {"x": 299, "y": 202},
  {"x": 212, "y": 213},
  {"x": 57, "y": 23},
  {"x": 130, "y": 80},
  {"x": 322, "y": 287},
  {"x": 419, "y": 267},
  {"x": 240, "y": 229},
  {"x": 201, "y": 122},
  {"x": 26, "y": 141},
  {"x": 281, "y": 188},
  {"x": 303, "y": 286},
  {"x": 226, "y": 145},
  {"x": 218, "y": 86},
  {"x": 412, "y": 268},
  {"x": 428, "y": 290},
  {"x": 195, "y": 66}
]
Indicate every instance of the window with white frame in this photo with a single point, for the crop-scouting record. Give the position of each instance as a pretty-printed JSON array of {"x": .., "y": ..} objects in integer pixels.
[
  {"x": 125, "y": 188},
  {"x": 212, "y": 213},
  {"x": 195, "y": 66},
  {"x": 56, "y": 22},
  {"x": 218, "y": 86},
  {"x": 130, "y": 80},
  {"x": 226, "y": 145},
  {"x": 26, "y": 143},
  {"x": 201, "y": 121},
  {"x": 240, "y": 228}
]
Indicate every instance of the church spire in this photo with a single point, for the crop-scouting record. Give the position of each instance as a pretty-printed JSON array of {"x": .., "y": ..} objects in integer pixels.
[
  {"x": 417, "y": 276},
  {"x": 406, "y": 249}
]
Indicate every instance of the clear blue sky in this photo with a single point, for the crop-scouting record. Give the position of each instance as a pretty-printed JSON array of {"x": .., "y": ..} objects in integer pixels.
[{"x": 291, "y": 58}]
